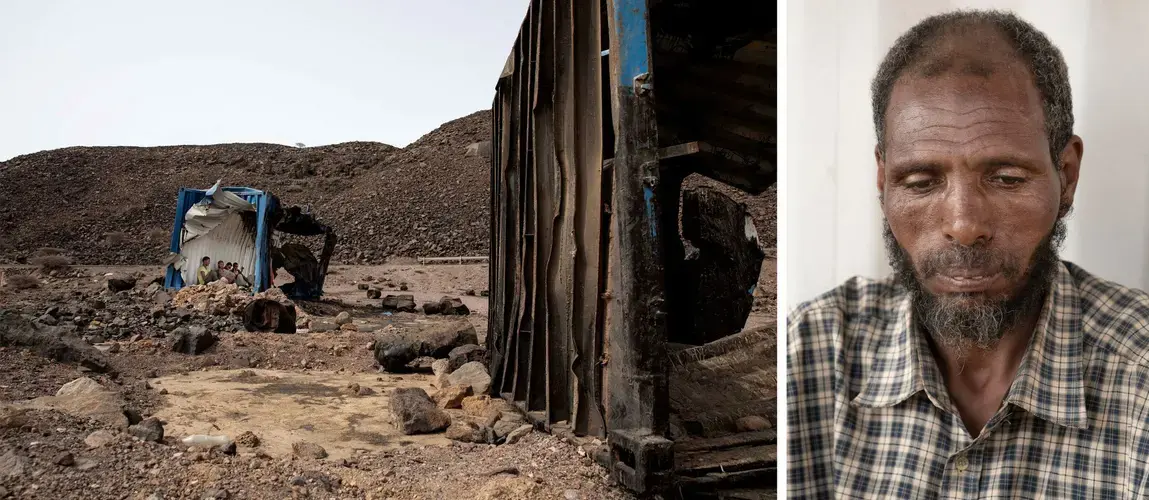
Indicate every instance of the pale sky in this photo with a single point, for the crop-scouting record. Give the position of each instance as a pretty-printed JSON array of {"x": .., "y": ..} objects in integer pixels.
[{"x": 148, "y": 73}]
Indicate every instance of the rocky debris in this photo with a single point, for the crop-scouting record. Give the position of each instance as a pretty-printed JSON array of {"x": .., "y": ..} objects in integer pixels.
[
  {"x": 343, "y": 318},
  {"x": 12, "y": 418},
  {"x": 473, "y": 375},
  {"x": 374, "y": 293},
  {"x": 12, "y": 466},
  {"x": 447, "y": 306},
  {"x": 248, "y": 439},
  {"x": 215, "y": 494},
  {"x": 99, "y": 438},
  {"x": 509, "y": 488},
  {"x": 304, "y": 449},
  {"x": 395, "y": 351},
  {"x": 362, "y": 286},
  {"x": 150, "y": 429},
  {"x": 416, "y": 413},
  {"x": 481, "y": 149},
  {"x": 65, "y": 459},
  {"x": 192, "y": 340},
  {"x": 466, "y": 431},
  {"x": 451, "y": 397},
  {"x": 508, "y": 422},
  {"x": 441, "y": 369},
  {"x": 134, "y": 416},
  {"x": 464, "y": 354},
  {"x": 399, "y": 303},
  {"x": 323, "y": 325},
  {"x": 422, "y": 364},
  {"x": 119, "y": 282},
  {"x": 85, "y": 398},
  {"x": 519, "y": 433},
  {"x": 56, "y": 343},
  {"x": 491, "y": 410},
  {"x": 752, "y": 423}
]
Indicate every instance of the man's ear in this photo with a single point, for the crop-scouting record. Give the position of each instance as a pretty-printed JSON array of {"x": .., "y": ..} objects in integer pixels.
[
  {"x": 1070, "y": 168},
  {"x": 881, "y": 171}
]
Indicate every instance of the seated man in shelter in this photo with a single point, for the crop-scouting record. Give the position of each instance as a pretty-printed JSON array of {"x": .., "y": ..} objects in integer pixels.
[
  {"x": 204, "y": 272},
  {"x": 214, "y": 275}
]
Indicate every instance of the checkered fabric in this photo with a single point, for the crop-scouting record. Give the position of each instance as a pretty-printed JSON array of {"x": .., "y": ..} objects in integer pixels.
[{"x": 869, "y": 415}]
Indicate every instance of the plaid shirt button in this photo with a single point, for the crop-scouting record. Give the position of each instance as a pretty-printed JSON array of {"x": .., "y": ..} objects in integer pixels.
[{"x": 961, "y": 463}]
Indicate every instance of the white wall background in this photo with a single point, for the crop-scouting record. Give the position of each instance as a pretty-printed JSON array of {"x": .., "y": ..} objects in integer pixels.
[{"x": 833, "y": 225}]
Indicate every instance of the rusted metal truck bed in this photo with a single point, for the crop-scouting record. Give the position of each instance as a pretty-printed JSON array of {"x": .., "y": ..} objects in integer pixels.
[{"x": 603, "y": 109}]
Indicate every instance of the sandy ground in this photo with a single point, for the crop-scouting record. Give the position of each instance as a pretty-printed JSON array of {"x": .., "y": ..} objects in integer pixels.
[{"x": 285, "y": 407}]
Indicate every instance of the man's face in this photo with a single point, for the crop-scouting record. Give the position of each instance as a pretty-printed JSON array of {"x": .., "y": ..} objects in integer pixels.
[{"x": 971, "y": 197}]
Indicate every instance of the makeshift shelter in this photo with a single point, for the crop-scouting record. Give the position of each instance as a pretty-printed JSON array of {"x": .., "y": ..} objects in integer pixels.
[{"x": 236, "y": 224}]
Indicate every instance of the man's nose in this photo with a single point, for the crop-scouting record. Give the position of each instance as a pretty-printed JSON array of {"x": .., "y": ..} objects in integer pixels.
[{"x": 967, "y": 217}]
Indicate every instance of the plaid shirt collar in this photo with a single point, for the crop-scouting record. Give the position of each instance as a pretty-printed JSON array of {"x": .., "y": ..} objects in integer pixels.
[{"x": 903, "y": 364}]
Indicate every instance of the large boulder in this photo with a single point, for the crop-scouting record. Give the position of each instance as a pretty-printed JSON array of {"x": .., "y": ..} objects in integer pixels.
[
  {"x": 447, "y": 306},
  {"x": 452, "y": 306},
  {"x": 192, "y": 340},
  {"x": 462, "y": 355},
  {"x": 150, "y": 429},
  {"x": 416, "y": 413},
  {"x": 399, "y": 303},
  {"x": 439, "y": 339},
  {"x": 266, "y": 315},
  {"x": 394, "y": 353},
  {"x": 86, "y": 398},
  {"x": 451, "y": 397},
  {"x": 119, "y": 282},
  {"x": 473, "y": 375},
  {"x": 395, "y": 350}
]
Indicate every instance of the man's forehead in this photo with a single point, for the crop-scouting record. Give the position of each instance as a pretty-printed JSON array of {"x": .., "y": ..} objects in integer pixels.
[{"x": 959, "y": 107}]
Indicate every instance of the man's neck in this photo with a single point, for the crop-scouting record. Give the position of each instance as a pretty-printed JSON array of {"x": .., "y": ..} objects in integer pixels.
[{"x": 979, "y": 379}]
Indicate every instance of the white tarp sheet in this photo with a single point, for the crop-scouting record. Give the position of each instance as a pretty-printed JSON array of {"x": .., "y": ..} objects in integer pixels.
[{"x": 204, "y": 216}]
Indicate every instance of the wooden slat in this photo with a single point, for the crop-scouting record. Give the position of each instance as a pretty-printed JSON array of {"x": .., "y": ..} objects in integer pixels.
[{"x": 734, "y": 440}]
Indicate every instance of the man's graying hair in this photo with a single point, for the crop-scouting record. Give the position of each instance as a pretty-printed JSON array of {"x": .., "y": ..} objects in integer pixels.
[{"x": 918, "y": 49}]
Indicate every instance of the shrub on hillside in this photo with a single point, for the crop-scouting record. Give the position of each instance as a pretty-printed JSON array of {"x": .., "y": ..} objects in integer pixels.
[
  {"x": 116, "y": 238},
  {"x": 51, "y": 262},
  {"x": 45, "y": 251},
  {"x": 22, "y": 281}
]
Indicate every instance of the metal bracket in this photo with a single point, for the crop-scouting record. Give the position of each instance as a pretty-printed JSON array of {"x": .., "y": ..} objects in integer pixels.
[{"x": 642, "y": 461}]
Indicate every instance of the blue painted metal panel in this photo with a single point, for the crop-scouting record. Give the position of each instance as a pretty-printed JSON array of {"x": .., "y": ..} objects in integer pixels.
[
  {"x": 630, "y": 21},
  {"x": 188, "y": 197},
  {"x": 262, "y": 257}
]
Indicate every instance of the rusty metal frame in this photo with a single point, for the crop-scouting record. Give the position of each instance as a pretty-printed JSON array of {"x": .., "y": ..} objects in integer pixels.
[{"x": 578, "y": 305}]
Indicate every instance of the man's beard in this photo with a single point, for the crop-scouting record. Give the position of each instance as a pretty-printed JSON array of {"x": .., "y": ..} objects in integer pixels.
[{"x": 961, "y": 322}]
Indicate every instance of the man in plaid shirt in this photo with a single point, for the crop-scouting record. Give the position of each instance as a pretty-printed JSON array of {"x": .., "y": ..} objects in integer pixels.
[{"x": 986, "y": 367}]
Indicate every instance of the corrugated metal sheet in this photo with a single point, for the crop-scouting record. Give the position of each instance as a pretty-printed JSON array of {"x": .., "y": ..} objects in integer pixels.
[
  {"x": 231, "y": 240},
  {"x": 547, "y": 218}
]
